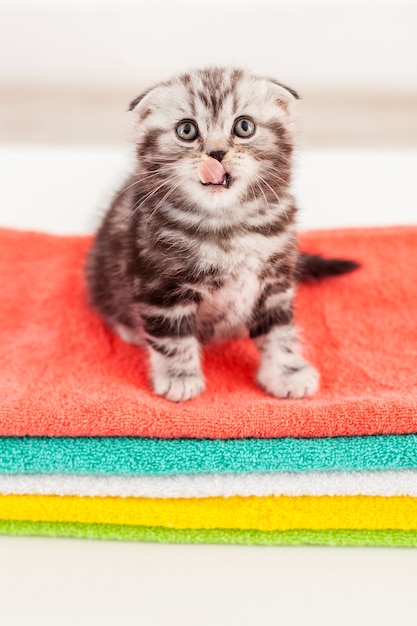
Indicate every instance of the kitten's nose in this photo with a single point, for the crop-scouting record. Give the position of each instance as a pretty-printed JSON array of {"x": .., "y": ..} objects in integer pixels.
[{"x": 218, "y": 155}]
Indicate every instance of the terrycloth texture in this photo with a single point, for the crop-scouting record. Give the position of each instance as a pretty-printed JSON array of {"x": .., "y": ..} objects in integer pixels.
[
  {"x": 113, "y": 532},
  {"x": 130, "y": 456},
  {"x": 269, "y": 513},
  {"x": 382, "y": 483},
  {"x": 64, "y": 374}
]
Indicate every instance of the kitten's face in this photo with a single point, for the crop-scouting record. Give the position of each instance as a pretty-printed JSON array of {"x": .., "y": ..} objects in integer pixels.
[{"x": 216, "y": 139}]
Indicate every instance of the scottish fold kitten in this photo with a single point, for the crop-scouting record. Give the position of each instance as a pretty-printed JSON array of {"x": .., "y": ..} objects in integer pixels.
[{"x": 200, "y": 244}]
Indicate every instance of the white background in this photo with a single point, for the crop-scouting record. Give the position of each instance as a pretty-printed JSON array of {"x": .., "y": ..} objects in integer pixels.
[{"x": 338, "y": 45}]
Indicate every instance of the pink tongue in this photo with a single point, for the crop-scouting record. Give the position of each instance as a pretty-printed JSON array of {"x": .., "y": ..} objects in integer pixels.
[{"x": 211, "y": 171}]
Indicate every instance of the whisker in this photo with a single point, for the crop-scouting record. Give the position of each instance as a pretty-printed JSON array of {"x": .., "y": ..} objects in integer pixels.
[
  {"x": 273, "y": 174},
  {"x": 276, "y": 196},
  {"x": 164, "y": 198},
  {"x": 263, "y": 193},
  {"x": 122, "y": 191},
  {"x": 270, "y": 188},
  {"x": 140, "y": 179},
  {"x": 255, "y": 197},
  {"x": 149, "y": 195}
]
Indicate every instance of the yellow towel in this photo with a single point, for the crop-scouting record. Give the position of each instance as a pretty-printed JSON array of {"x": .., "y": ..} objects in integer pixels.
[{"x": 265, "y": 513}]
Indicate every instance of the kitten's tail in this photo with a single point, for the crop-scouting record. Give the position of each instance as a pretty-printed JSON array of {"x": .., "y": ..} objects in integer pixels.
[{"x": 312, "y": 267}]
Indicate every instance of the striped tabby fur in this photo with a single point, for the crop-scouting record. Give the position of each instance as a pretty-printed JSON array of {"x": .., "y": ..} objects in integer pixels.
[{"x": 178, "y": 263}]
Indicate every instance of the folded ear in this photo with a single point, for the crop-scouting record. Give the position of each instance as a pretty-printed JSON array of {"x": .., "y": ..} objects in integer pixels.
[
  {"x": 285, "y": 96},
  {"x": 146, "y": 103},
  {"x": 139, "y": 99},
  {"x": 292, "y": 92}
]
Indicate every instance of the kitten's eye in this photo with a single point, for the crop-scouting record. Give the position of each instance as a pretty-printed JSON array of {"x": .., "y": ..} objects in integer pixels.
[
  {"x": 244, "y": 127},
  {"x": 187, "y": 131}
]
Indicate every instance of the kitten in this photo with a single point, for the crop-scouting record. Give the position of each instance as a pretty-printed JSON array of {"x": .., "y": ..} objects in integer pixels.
[{"x": 200, "y": 244}]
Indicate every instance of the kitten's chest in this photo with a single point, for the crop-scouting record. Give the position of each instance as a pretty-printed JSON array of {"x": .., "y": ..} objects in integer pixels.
[
  {"x": 226, "y": 309},
  {"x": 227, "y": 304}
]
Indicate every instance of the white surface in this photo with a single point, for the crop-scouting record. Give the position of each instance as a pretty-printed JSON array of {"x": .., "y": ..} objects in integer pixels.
[
  {"x": 66, "y": 189},
  {"x": 50, "y": 582},
  {"x": 79, "y": 583},
  {"x": 230, "y": 3}
]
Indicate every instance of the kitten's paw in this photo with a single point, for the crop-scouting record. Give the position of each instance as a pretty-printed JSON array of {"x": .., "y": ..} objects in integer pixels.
[
  {"x": 298, "y": 382},
  {"x": 178, "y": 389}
]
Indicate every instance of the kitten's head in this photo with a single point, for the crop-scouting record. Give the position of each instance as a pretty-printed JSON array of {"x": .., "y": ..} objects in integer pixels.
[{"x": 215, "y": 139}]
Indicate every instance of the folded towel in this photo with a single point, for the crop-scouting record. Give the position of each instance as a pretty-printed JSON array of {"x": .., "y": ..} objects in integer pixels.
[
  {"x": 130, "y": 456},
  {"x": 382, "y": 483},
  {"x": 401, "y": 538},
  {"x": 63, "y": 373},
  {"x": 266, "y": 513}
]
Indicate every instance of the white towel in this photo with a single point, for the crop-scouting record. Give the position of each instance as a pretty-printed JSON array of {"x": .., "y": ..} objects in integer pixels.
[{"x": 371, "y": 483}]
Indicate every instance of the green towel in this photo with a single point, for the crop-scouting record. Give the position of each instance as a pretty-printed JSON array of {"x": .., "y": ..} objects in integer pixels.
[
  {"x": 399, "y": 538},
  {"x": 126, "y": 456}
]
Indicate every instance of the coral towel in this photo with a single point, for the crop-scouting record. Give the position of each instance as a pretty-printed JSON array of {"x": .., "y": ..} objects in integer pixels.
[{"x": 63, "y": 373}]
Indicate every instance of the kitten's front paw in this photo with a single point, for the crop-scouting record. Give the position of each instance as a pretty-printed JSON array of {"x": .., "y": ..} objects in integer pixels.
[
  {"x": 180, "y": 388},
  {"x": 296, "y": 382}
]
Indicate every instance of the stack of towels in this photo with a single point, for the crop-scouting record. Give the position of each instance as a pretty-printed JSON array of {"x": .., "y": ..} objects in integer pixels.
[{"x": 87, "y": 450}]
